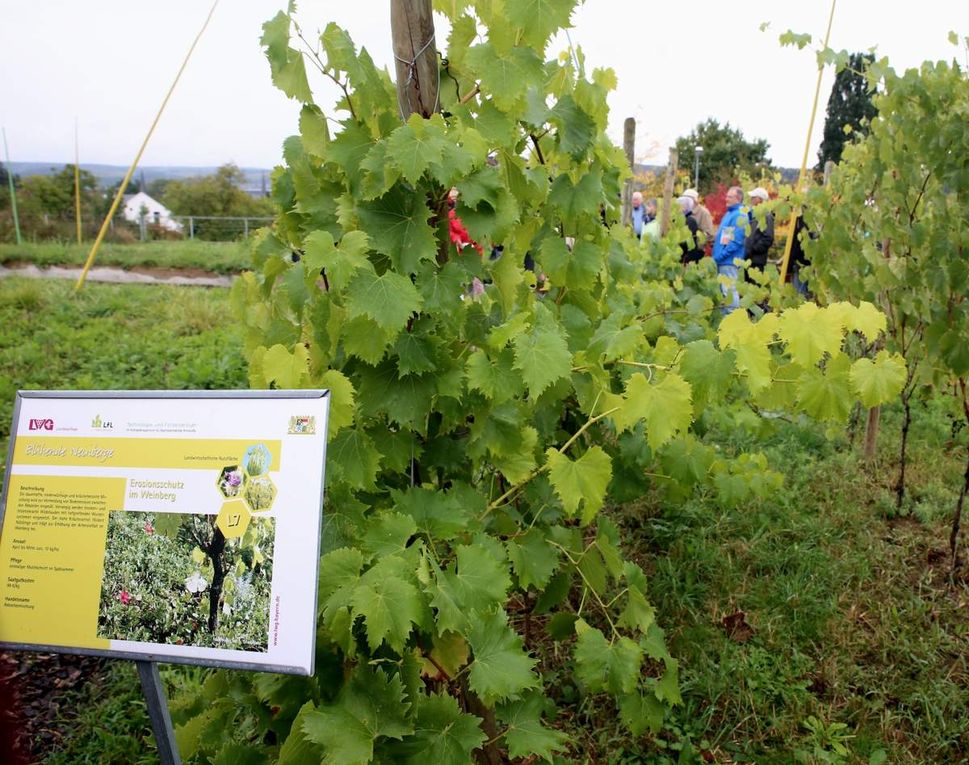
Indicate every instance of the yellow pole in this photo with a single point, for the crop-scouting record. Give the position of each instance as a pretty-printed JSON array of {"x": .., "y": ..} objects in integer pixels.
[
  {"x": 134, "y": 164},
  {"x": 807, "y": 146},
  {"x": 77, "y": 184}
]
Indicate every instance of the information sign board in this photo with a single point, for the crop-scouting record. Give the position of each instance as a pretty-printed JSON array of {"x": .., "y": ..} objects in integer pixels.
[{"x": 165, "y": 526}]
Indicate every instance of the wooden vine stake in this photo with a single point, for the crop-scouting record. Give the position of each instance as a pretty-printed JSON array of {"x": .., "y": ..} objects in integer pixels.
[
  {"x": 629, "y": 147},
  {"x": 668, "y": 192},
  {"x": 415, "y": 57}
]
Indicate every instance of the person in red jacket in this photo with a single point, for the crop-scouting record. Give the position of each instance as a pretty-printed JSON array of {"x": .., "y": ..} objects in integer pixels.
[{"x": 460, "y": 237}]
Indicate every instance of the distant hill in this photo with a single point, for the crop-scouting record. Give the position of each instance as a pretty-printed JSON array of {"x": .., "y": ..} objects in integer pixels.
[{"x": 257, "y": 178}]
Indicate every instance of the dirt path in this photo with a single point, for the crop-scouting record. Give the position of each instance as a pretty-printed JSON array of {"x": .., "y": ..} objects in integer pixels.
[{"x": 121, "y": 276}]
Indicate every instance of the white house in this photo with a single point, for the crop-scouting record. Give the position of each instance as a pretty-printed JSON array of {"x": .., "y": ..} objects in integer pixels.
[{"x": 154, "y": 212}]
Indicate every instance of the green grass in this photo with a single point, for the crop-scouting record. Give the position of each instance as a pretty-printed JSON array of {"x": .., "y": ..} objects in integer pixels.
[
  {"x": 859, "y": 635},
  {"x": 114, "y": 337},
  {"x": 218, "y": 257}
]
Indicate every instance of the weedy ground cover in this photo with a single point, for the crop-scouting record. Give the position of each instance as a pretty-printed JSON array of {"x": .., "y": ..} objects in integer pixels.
[
  {"x": 113, "y": 337},
  {"x": 822, "y": 625},
  {"x": 217, "y": 257}
]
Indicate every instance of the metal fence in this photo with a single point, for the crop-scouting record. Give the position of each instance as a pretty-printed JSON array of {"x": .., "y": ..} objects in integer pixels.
[{"x": 219, "y": 228}]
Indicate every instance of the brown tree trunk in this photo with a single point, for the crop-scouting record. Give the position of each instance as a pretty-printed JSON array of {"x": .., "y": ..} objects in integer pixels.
[
  {"x": 957, "y": 520},
  {"x": 415, "y": 55},
  {"x": 871, "y": 433},
  {"x": 218, "y": 576},
  {"x": 906, "y": 423}
]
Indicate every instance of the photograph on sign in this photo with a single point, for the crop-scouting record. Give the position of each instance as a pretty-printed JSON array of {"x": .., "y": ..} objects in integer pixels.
[{"x": 177, "y": 527}]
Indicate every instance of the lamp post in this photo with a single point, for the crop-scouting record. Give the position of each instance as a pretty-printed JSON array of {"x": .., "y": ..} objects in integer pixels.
[{"x": 697, "y": 151}]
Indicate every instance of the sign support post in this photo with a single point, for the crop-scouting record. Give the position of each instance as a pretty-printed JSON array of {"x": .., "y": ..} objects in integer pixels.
[{"x": 161, "y": 721}]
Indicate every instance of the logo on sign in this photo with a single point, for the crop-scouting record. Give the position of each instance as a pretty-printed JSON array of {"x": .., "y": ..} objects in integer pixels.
[
  {"x": 302, "y": 425},
  {"x": 97, "y": 422},
  {"x": 40, "y": 424}
]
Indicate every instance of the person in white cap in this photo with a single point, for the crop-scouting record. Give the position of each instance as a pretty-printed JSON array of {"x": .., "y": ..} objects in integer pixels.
[
  {"x": 759, "y": 238},
  {"x": 704, "y": 220}
]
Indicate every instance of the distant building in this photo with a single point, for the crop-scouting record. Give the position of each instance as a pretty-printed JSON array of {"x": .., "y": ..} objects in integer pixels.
[{"x": 154, "y": 212}]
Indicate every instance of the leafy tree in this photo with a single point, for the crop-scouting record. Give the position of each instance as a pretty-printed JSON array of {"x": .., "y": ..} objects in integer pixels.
[
  {"x": 850, "y": 108},
  {"x": 726, "y": 153},
  {"x": 217, "y": 195}
]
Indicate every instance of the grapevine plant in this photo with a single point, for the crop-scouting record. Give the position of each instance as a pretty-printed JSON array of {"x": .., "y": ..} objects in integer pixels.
[
  {"x": 894, "y": 231},
  {"x": 484, "y": 415}
]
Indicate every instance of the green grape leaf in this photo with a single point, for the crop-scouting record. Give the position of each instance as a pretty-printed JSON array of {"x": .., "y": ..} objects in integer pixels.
[
  {"x": 518, "y": 465},
  {"x": 415, "y": 145},
  {"x": 397, "y": 224},
  {"x": 638, "y": 613},
  {"x": 389, "y": 607},
  {"x": 388, "y": 599},
  {"x": 438, "y": 515},
  {"x": 750, "y": 342},
  {"x": 540, "y": 19},
  {"x": 286, "y": 370},
  {"x": 580, "y": 482},
  {"x": 297, "y": 749},
  {"x": 525, "y": 734},
  {"x": 342, "y": 400},
  {"x": 575, "y": 201},
  {"x": 577, "y": 268},
  {"x": 477, "y": 582},
  {"x": 668, "y": 686},
  {"x": 313, "y": 130},
  {"x": 443, "y": 734},
  {"x": 352, "y": 458},
  {"x": 363, "y": 338},
  {"x": 414, "y": 353},
  {"x": 640, "y": 712},
  {"x": 342, "y": 262},
  {"x": 810, "y": 333},
  {"x": 388, "y": 533},
  {"x": 615, "y": 340},
  {"x": 501, "y": 670},
  {"x": 576, "y": 129},
  {"x": 233, "y": 753},
  {"x": 369, "y": 706},
  {"x": 505, "y": 77},
  {"x": 827, "y": 395},
  {"x": 542, "y": 354},
  {"x": 389, "y": 299},
  {"x": 533, "y": 559},
  {"x": 863, "y": 318},
  {"x": 604, "y": 666},
  {"x": 880, "y": 381},
  {"x": 666, "y": 407},
  {"x": 495, "y": 377},
  {"x": 286, "y": 64}
]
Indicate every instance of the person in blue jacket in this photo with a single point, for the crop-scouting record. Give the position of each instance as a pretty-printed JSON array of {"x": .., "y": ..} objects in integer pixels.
[{"x": 728, "y": 244}]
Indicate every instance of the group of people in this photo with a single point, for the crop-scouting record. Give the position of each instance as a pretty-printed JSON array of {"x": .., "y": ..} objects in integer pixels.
[{"x": 743, "y": 234}]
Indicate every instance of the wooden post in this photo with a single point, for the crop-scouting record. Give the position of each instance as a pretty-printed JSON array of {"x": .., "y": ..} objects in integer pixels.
[
  {"x": 629, "y": 146},
  {"x": 415, "y": 54},
  {"x": 13, "y": 190},
  {"x": 664, "y": 225},
  {"x": 828, "y": 167}
]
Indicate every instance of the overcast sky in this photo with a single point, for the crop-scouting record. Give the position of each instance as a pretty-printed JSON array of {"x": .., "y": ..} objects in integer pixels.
[{"x": 108, "y": 63}]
